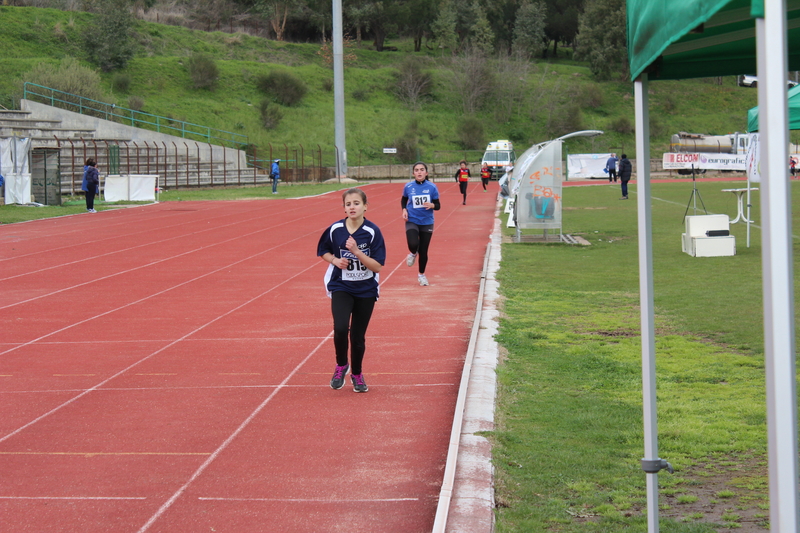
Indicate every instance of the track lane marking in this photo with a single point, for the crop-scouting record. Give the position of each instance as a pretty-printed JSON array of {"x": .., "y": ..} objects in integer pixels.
[
  {"x": 230, "y": 438},
  {"x": 140, "y": 361}
]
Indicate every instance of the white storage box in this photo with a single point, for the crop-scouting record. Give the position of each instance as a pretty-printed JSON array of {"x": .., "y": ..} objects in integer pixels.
[{"x": 696, "y": 241}]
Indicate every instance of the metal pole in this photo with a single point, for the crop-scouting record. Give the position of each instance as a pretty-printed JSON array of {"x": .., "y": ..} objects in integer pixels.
[
  {"x": 338, "y": 90},
  {"x": 651, "y": 464},
  {"x": 777, "y": 265}
]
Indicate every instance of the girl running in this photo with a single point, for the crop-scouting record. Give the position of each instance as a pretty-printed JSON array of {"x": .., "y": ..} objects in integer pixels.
[
  {"x": 356, "y": 252},
  {"x": 420, "y": 200},
  {"x": 462, "y": 177},
  {"x": 486, "y": 175}
]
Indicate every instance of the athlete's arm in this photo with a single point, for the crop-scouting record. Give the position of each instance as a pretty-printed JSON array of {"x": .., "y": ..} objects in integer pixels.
[
  {"x": 339, "y": 262},
  {"x": 366, "y": 260}
]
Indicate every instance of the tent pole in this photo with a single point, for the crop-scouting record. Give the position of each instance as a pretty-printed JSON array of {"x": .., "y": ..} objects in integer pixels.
[
  {"x": 777, "y": 261},
  {"x": 651, "y": 464}
]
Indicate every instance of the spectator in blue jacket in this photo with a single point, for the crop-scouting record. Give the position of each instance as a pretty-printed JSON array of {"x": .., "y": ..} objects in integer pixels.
[
  {"x": 275, "y": 174},
  {"x": 611, "y": 167},
  {"x": 91, "y": 183}
]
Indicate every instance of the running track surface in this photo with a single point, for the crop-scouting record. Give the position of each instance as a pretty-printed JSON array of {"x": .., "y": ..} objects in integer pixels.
[{"x": 166, "y": 368}]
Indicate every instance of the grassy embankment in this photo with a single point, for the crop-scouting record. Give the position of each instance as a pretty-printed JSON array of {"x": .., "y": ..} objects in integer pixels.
[{"x": 556, "y": 96}]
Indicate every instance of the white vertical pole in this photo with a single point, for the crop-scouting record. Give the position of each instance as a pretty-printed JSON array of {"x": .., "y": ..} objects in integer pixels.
[
  {"x": 338, "y": 90},
  {"x": 646, "y": 294},
  {"x": 777, "y": 260}
]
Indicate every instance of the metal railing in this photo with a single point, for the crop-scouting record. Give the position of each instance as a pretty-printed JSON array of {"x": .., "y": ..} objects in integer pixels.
[{"x": 123, "y": 115}]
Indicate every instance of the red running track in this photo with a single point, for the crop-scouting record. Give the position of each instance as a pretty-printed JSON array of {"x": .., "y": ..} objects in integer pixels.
[{"x": 165, "y": 368}]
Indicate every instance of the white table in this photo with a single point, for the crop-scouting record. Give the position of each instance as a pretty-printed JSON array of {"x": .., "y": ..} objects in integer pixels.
[{"x": 740, "y": 194}]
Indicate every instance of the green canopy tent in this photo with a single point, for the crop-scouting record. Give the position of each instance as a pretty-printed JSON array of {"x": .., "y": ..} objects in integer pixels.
[
  {"x": 676, "y": 39},
  {"x": 794, "y": 112}
]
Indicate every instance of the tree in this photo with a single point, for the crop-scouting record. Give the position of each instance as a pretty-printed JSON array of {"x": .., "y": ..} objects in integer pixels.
[
  {"x": 473, "y": 79},
  {"x": 357, "y": 14},
  {"x": 420, "y": 15},
  {"x": 602, "y": 40},
  {"x": 529, "y": 28},
  {"x": 562, "y": 22},
  {"x": 444, "y": 27},
  {"x": 502, "y": 18},
  {"x": 277, "y": 13},
  {"x": 109, "y": 39},
  {"x": 481, "y": 34}
]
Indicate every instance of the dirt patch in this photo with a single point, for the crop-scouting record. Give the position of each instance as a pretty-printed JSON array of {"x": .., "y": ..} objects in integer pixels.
[{"x": 730, "y": 493}]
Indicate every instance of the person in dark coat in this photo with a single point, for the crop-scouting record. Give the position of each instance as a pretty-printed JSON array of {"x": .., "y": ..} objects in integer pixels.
[
  {"x": 275, "y": 174},
  {"x": 91, "y": 183},
  {"x": 625, "y": 169}
]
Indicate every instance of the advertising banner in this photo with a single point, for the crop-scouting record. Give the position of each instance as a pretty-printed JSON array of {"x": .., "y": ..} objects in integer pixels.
[
  {"x": 700, "y": 161},
  {"x": 538, "y": 201},
  {"x": 587, "y": 166}
]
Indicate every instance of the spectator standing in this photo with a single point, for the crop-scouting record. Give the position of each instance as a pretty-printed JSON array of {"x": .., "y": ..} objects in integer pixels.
[
  {"x": 611, "y": 166},
  {"x": 625, "y": 170},
  {"x": 275, "y": 174},
  {"x": 793, "y": 166},
  {"x": 91, "y": 183}
]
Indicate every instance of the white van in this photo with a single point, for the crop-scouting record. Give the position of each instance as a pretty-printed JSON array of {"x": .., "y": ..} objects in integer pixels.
[{"x": 498, "y": 156}]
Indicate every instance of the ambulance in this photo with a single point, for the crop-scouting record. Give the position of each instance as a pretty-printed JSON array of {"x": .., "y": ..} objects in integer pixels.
[{"x": 498, "y": 156}]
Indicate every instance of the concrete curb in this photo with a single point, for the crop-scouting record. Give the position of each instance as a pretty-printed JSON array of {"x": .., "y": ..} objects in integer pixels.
[{"x": 472, "y": 502}]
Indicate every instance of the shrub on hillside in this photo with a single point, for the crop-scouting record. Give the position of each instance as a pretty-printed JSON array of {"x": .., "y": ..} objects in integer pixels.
[
  {"x": 327, "y": 84},
  {"x": 591, "y": 95},
  {"x": 566, "y": 119},
  {"x": 282, "y": 86},
  {"x": 203, "y": 71},
  {"x": 470, "y": 133},
  {"x": 70, "y": 77},
  {"x": 362, "y": 95},
  {"x": 622, "y": 125},
  {"x": 271, "y": 115},
  {"x": 109, "y": 37},
  {"x": 411, "y": 85},
  {"x": 136, "y": 103},
  {"x": 121, "y": 82}
]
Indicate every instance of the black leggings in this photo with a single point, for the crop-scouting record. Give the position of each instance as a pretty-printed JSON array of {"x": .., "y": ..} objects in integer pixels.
[
  {"x": 419, "y": 238},
  {"x": 462, "y": 186},
  {"x": 344, "y": 307},
  {"x": 485, "y": 182},
  {"x": 90, "y": 199}
]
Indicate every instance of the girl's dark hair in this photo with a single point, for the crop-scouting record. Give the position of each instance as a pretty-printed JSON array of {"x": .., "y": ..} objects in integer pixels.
[
  {"x": 91, "y": 162},
  {"x": 357, "y": 191},
  {"x": 462, "y": 161}
]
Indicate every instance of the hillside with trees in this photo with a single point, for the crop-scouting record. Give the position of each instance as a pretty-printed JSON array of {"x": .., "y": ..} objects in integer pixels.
[{"x": 430, "y": 78}]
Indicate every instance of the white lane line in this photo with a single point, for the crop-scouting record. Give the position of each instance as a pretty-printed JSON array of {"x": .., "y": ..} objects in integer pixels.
[
  {"x": 150, "y": 243},
  {"x": 221, "y": 339},
  {"x": 129, "y": 304},
  {"x": 309, "y": 500},
  {"x": 213, "y": 387},
  {"x": 72, "y": 498},
  {"x": 129, "y": 367},
  {"x": 232, "y": 436}
]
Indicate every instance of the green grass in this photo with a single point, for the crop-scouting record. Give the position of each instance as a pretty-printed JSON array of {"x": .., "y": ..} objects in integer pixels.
[
  {"x": 160, "y": 77},
  {"x": 569, "y": 415}
]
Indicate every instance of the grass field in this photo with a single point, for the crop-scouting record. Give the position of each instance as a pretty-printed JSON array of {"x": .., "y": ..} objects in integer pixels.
[
  {"x": 569, "y": 417},
  {"x": 570, "y": 426}
]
